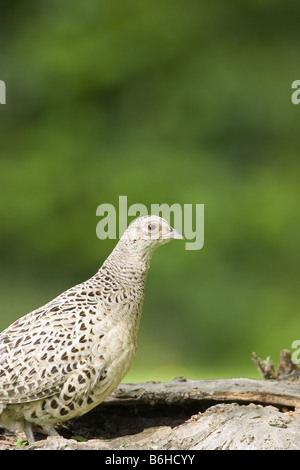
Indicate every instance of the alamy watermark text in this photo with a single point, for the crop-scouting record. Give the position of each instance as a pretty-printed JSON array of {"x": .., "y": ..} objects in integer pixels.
[
  {"x": 2, "y": 92},
  {"x": 187, "y": 219}
]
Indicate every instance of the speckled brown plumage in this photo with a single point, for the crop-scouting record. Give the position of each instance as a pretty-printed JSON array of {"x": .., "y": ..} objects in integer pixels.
[{"x": 66, "y": 357}]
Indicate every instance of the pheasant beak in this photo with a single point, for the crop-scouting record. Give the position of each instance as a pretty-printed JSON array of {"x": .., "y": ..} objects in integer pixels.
[{"x": 176, "y": 234}]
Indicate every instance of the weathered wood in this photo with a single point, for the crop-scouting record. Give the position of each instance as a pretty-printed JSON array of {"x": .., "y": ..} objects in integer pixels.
[
  {"x": 286, "y": 369},
  {"x": 184, "y": 414},
  {"x": 181, "y": 391},
  {"x": 224, "y": 426}
]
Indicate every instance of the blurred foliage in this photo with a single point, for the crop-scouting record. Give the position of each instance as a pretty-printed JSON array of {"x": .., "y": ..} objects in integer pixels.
[{"x": 162, "y": 101}]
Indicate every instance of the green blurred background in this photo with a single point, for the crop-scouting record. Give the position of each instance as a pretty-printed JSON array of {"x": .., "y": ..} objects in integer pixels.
[{"x": 162, "y": 101}]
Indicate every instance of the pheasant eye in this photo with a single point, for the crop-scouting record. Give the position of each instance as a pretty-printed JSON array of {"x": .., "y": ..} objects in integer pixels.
[{"x": 151, "y": 227}]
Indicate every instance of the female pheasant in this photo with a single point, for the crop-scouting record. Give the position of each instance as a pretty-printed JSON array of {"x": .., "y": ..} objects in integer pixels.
[{"x": 65, "y": 358}]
